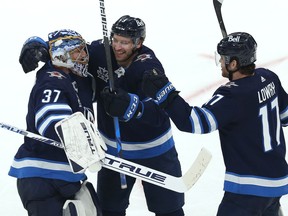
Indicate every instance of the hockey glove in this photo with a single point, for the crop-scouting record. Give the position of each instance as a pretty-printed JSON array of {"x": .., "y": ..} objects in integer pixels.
[
  {"x": 157, "y": 86},
  {"x": 34, "y": 49},
  {"x": 121, "y": 104}
]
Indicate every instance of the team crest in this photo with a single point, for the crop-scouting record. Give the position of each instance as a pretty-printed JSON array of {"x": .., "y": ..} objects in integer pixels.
[
  {"x": 56, "y": 74},
  {"x": 143, "y": 57},
  {"x": 102, "y": 73}
]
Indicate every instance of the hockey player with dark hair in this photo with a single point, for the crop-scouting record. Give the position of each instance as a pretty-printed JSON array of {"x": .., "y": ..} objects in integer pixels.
[
  {"x": 46, "y": 183},
  {"x": 146, "y": 134},
  {"x": 249, "y": 112}
]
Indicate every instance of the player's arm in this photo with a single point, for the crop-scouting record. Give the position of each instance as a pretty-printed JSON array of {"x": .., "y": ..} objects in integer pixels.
[
  {"x": 283, "y": 106},
  {"x": 187, "y": 118},
  {"x": 127, "y": 106},
  {"x": 51, "y": 106},
  {"x": 83, "y": 145}
]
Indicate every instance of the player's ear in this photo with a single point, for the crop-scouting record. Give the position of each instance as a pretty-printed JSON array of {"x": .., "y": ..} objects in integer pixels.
[
  {"x": 139, "y": 43},
  {"x": 233, "y": 64}
]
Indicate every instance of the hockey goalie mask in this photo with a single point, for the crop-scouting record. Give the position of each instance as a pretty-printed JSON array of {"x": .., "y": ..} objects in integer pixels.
[{"x": 63, "y": 46}]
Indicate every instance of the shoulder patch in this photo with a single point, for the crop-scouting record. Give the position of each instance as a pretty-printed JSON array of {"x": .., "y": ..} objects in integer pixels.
[
  {"x": 230, "y": 84},
  {"x": 120, "y": 72},
  {"x": 143, "y": 57},
  {"x": 56, "y": 74}
]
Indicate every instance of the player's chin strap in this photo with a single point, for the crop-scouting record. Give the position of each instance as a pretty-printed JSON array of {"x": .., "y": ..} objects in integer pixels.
[
  {"x": 230, "y": 76},
  {"x": 93, "y": 85},
  {"x": 230, "y": 72}
]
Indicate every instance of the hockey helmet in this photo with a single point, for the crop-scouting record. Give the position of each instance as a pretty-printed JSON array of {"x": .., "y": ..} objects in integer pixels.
[
  {"x": 62, "y": 44},
  {"x": 128, "y": 26},
  {"x": 240, "y": 46}
]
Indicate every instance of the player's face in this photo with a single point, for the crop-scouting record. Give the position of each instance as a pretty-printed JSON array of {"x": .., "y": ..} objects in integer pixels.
[
  {"x": 123, "y": 48},
  {"x": 80, "y": 59},
  {"x": 80, "y": 55}
]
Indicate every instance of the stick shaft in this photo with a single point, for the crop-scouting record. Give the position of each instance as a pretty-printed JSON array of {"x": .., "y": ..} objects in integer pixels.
[
  {"x": 217, "y": 7},
  {"x": 178, "y": 184},
  {"x": 111, "y": 84}
]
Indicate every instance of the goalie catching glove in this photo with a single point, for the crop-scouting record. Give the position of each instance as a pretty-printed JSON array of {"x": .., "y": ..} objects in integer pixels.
[
  {"x": 82, "y": 143},
  {"x": 157, "y": 86}
]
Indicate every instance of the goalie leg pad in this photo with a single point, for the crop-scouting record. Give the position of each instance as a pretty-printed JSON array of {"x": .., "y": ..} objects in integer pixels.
[
  {"x": 89, "y": 199},
  {"x": 73, "y": 208},
  {"x": 280, "y": 213},
  {"x": 86, "y": 203}
]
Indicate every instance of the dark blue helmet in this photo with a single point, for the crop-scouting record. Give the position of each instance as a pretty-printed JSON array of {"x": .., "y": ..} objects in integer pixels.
[
  {"x": 240, "y": 46},
  {"x": 128, "y": 26}
]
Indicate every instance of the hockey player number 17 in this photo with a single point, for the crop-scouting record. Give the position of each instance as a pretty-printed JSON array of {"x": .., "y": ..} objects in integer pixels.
[{"x": 264, "y": 112}]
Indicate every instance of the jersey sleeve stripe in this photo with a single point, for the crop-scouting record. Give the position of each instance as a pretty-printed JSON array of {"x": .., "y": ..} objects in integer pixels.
[{"x": 50, "y": 107}]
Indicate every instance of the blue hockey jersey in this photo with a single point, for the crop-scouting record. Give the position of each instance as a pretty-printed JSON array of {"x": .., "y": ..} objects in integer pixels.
[
  {"x": 249, "y": 114},
  {"x": 53, "y": 97},
  {"x": 146, "y": 137}
]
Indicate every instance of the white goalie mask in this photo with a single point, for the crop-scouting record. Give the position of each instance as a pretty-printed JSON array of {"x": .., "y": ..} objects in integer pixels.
[{"x": 62, "y": 46}]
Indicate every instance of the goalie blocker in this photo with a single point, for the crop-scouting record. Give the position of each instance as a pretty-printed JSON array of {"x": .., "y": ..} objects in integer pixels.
[{"x": 82, "y": 143}]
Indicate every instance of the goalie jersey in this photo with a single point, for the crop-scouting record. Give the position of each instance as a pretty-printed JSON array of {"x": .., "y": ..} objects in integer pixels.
[
  {"x": 249, "y": 114},
  {"x": 149, "y": 134},
  {"x": 53, "y": 97}
]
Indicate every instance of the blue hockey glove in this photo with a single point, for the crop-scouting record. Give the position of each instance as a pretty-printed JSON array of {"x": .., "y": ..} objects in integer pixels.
[
  {"x": 121, "y": 104},
  {"x": 157, "y": 86},
  {"x": 34, "y": 49}
]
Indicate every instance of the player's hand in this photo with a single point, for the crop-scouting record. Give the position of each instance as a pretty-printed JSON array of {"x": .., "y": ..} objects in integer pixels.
[
  {"x": 121, "y": 104},
  {"x": 157, "y": 86},
  {"x": 34, "y": 49}
]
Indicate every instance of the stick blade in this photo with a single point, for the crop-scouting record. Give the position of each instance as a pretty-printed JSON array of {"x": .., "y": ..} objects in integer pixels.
[{"x": 197, "y": 168}]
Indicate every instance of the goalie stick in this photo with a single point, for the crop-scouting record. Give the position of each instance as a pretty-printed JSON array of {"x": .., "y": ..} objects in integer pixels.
[
  {"x": 217, "y": 6},
  {"x": 111, "y": 84},
  {"x": 178, "y": 184}
]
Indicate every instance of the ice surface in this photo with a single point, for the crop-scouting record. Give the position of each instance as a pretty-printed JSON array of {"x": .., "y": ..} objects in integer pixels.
[{"x": 183, "y": 35}]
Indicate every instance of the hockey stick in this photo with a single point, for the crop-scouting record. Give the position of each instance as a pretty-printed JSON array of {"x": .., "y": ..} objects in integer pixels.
[
  {"x": 178, "y": 184},
  {"x": 217, "y": 7},
  {"x": 111, "y": 84}
]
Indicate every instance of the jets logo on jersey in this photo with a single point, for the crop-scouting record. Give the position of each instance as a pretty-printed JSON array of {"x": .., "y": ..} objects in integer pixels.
[
  {"x": 143, "y": 57},
  {"x": 102, "y": 73},
  {"x": 56, "y": 74}
]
